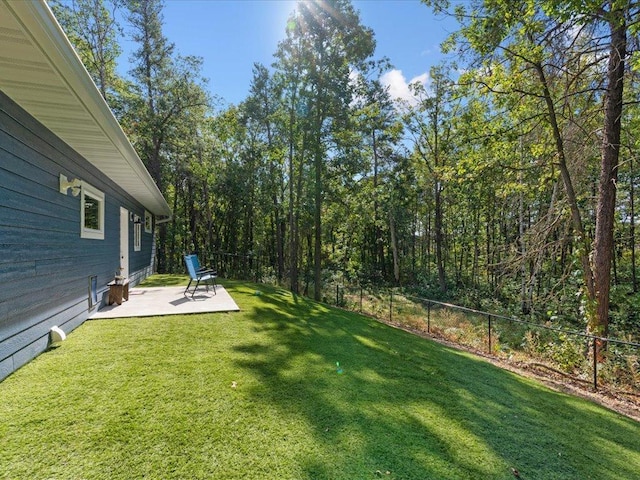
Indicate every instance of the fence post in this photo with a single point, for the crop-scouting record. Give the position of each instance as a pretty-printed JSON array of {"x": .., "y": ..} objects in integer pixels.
[
  {"x": 256, "y": 266},
  {"x": 489, "y": 316},
  {"x": 360, "y": 298},
  {"x": 595, "y": 364},
  {"x": 337, "y": 295},
  {"x": 391, "y": 306},
  {"x": 428, "y": 317}
]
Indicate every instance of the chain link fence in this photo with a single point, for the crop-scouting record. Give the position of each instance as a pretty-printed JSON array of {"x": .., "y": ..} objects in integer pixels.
[
  {"x": 544, "y": 346},
  {"x": 237, "y": 266},
  {"x": 564, "y": 352}
]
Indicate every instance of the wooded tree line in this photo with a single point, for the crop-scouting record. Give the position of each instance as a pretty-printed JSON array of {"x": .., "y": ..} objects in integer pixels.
[{"x": 510, "y": 177}]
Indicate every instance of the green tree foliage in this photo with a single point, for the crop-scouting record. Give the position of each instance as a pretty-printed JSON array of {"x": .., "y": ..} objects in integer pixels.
[
  {"x": 430, "y": 124},
  {"x": 328, "y": 43},
  {"x": 508, "y": 181},
  {"x": 569, "y": 57},
  {"x": 167, "y": 95},
  {"x": 265, "y": 116},
  {"x": 94, "y": 32}
]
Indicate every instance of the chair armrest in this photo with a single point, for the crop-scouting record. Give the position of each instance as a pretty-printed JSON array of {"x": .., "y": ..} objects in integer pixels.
[{"x": 206, "y": 270}]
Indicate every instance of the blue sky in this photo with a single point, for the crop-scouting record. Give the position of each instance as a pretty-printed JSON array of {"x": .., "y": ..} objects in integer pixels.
[{"x": 230, "y": 35}]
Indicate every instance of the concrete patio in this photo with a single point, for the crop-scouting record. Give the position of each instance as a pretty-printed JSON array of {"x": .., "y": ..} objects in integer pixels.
[{"x": 155, "y": 301}]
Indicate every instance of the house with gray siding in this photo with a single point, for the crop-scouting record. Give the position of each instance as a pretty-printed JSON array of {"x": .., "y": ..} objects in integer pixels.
[{"x": 77, "y": 205}]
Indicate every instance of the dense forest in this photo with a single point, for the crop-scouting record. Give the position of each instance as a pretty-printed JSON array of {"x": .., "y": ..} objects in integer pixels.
[{"x": 509, "y": 182}]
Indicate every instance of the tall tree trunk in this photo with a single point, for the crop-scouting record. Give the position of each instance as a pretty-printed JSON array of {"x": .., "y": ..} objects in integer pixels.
[
  {"x": 576, "y": 217},
  {"x": 172, "y": 239},
  {"x": 209, "y": 222},
  {"x": 318, "y": 160},
  {"x": 279, "y": 240},
  {"x": 428, "y": 246},
  {"x": 394, "y": 249},
  {"x": 439, "y": 237},
  {"x": 377, "y": 248},
  {"x": 275, "y": 172},
  {"x": 605, "y": 212},
  {"x": 476, "y": 249},
  {"x": 192, "y": 217},
  {"x": 632, "y": 225},
  {"x": 524, "y": 301},
  {"x": 308, "y": 270},
  {"x": 414, "y": 229},
  {"x": 293, "y": 223},
  {"x": 317, "y": 220}
]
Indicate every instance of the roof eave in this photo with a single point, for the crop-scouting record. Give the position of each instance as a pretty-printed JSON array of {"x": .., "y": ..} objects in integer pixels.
[{"x": 45, "y": 32}]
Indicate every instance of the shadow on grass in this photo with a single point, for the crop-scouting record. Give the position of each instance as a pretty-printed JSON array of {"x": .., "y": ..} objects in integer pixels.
[{"x": 405, "y": 407}]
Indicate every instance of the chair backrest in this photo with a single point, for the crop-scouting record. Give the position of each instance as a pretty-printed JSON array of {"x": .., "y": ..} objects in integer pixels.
[
  {"x": 191, "y": 265},
  {"x": 196, "y": 262}
]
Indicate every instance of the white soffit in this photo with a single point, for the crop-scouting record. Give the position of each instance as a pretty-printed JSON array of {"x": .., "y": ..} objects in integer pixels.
[{"x": 40, "y": 71}]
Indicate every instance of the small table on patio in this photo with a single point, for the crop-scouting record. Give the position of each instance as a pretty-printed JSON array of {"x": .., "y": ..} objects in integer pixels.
[{"x": 118, "y": 292}]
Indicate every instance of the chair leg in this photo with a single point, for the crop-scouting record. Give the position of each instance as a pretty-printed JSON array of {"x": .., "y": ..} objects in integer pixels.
[
  {"x": 211, "y": 282},
  {"x": 195, "y": 288}
]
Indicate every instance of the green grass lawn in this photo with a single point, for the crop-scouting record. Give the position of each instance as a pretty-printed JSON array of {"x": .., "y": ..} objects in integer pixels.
[{"x": 154, "y": 398}]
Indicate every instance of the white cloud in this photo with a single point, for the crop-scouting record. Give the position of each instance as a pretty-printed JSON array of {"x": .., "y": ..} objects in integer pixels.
[
  {"x": 399, "y": 86},
  {"x": 354, "y": 76}
]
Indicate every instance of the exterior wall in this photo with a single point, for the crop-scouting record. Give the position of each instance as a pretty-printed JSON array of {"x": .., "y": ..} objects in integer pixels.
[{"x": 44, "y": 264}]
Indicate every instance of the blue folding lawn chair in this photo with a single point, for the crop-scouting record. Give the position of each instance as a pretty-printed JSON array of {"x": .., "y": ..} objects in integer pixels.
[{"x": 198, "y": 274}]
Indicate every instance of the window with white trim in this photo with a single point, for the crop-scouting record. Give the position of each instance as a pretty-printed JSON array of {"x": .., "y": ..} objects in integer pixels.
[
  {"x": 91, "y": 212},
  {"x": 148, "y": 222}
]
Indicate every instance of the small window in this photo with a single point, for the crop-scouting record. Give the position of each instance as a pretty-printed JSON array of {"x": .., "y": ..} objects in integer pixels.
[
  {"x": 91, "y": 213},
  {"x": 137, "y": 233},
  {"x": 148, "y": 222}
]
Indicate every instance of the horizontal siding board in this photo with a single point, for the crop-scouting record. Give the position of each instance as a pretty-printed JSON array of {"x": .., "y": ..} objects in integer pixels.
[
  {"x": 51, "y": 271},
  {"x": 44, "y": 187},
  {"x": 42, "y": 145},
  {"x": 35, "y": 203},
  {"x": 6, "y": 367},
  {"x": 51, "y": 155},
  {"x": 35, "y": 340},
  {"x": 23, "y": 253},
  {"x": 33, "y": 303},
  {"x": 45, "y": 150},
  {"x": 29, "y": 220},
  {"x": 67, "y": 317},
  {"x": 31, "y": 351},
  {"x": 58, "y": 269},
  {"x": 42, "y": 308},
  {"x": 29, "y": 291},
  {"x": 26, "y": 195},
  {"x": 13, "y": 161},
  {"x": 38, "y": 237},
  {"x": 24, "y": 242},
  {"x": 74, "y": 322},
  {"x": 14, "y": 271},
  {"x": 69, "y": 312},
  {"x": 45, "y": 265}
]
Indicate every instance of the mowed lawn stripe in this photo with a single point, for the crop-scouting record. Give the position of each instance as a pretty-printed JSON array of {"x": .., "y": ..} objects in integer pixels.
[{"x": 259, "y": 394}]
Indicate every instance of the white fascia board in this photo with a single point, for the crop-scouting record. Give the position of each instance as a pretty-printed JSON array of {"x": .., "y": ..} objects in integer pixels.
[{"x": 41, "y": 25}]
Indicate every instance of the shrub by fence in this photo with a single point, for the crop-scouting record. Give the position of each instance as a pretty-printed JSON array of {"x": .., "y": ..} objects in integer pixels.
[{"x": 548, "y": 346}]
